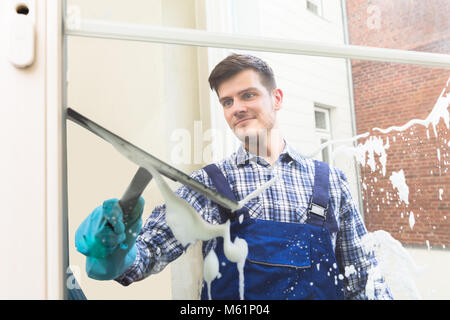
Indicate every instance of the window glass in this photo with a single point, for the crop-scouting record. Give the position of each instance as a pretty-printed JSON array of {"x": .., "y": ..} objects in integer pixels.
[{"x": 390, "y": 136}]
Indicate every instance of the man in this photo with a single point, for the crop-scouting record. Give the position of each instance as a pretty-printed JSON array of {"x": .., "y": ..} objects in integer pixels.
[{"x": 303, "y": 233}]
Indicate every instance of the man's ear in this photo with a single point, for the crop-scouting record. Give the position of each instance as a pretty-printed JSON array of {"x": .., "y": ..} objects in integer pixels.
[{"x": 277, "y": 95}]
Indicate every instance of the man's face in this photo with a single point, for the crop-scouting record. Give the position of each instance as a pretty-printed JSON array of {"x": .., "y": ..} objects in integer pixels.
[{"x": 249, "y": 108}]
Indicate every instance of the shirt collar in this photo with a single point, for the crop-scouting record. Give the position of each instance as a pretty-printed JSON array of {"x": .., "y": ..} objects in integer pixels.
[{"x": 288, "y": 154}]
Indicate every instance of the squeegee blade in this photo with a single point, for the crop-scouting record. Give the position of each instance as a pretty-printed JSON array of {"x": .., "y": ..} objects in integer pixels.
[{"x": 143, "y": 158}]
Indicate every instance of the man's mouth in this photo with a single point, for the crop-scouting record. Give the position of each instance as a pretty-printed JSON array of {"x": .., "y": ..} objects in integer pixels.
[{"x": 243, "y": 121}]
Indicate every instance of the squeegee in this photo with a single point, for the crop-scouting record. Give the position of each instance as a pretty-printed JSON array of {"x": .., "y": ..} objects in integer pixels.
[{"x": 143, "y": 159}]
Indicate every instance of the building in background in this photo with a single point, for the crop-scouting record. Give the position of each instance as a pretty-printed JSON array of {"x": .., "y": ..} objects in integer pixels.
[{"x": 404, "y": 173}]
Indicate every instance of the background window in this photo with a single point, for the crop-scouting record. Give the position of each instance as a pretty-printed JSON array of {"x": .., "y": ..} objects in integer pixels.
[
  {"x": 322, "y": 124},
  {"x": 321, "y": 119}
]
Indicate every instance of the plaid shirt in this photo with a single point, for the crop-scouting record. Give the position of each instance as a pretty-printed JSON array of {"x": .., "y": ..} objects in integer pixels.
[{"x": 286, "y": 200}]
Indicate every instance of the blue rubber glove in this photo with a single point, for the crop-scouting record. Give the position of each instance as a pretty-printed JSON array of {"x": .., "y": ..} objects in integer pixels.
[{"x": 108, "y": 241}]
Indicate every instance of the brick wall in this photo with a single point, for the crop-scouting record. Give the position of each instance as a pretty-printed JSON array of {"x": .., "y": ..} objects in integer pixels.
[{"x": 388, "y": 95}]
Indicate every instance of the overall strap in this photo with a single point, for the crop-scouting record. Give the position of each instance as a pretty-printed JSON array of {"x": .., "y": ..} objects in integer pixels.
[
  {"x": 318, "y": 210},
  {"x": 221, "y": 184},
  {"x": 319, "y": 200}
]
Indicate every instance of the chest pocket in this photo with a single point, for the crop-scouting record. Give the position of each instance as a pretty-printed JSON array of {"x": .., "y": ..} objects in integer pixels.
[
  {"x": 254, "y": 208},
  {"x": 256, "y": 211}
]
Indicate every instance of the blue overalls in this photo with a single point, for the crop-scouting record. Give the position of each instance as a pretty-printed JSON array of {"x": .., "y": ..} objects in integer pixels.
[{"x": 285, "y": 260}]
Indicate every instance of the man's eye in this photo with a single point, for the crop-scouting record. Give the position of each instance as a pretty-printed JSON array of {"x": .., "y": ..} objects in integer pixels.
[
  {"x": 248, "y": 95},
  {"x": 227, "y": 103}
]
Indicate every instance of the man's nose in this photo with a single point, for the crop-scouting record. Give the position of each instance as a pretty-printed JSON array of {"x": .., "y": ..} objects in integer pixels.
[{"x": 239, "y": 107}]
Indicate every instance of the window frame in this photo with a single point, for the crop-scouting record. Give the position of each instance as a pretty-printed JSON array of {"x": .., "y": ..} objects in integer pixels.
[{"x": 190, "y": 37}]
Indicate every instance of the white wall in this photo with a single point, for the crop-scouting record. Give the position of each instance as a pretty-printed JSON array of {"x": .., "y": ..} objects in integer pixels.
[{"x": 433, "y": 281}]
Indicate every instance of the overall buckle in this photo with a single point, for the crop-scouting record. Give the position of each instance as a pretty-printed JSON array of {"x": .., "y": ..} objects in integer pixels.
[{"x": 318, "y": 210}]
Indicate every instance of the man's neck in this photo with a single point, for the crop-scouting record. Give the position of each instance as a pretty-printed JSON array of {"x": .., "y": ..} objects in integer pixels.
[{"x": 268, "y": 148}]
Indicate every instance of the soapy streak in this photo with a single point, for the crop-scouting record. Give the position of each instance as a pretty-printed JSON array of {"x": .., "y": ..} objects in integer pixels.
[
  {"x": 395, "y": 264},
  {"x": 331, "y": 142},
  {"x": 439, "y": 111},
  {"x": 210, "y": 269},
  {"x": 375, "y": 145},
  {"x": 433, "y": 117},
  {"x": 399, "y": 182}
]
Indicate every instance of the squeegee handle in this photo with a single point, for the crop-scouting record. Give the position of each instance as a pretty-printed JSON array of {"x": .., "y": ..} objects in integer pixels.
[{"x": 129, "y": 199}]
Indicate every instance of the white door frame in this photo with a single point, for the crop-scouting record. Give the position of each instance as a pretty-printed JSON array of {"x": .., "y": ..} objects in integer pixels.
[
  {"x": 32, "y": 166},
  {"x": 57, "y": 224}
]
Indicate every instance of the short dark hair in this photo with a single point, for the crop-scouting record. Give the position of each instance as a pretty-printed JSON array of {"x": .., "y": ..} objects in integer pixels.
[{"x": 235, "y": 63}]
